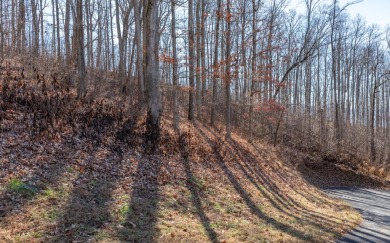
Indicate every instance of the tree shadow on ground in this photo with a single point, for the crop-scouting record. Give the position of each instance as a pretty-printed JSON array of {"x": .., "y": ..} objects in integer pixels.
[
  {"x": 140, "y": 212},
  {"x": 140, "y": 225},
  {"x": 87, "y": 209},
  {"x": 194, "y": 189},
  {"x": 258, "y": 169},
  {"x": 251, "y": 204},
  {"x": 141, "y": 220},
  {"x": 26, "y": 189},
  {"x": 251, "y": 164},
  {"x": 279, "y": 197}
]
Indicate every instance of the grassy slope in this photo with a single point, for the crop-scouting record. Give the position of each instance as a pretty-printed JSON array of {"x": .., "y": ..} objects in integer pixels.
[{"x": 102, "y": 187}]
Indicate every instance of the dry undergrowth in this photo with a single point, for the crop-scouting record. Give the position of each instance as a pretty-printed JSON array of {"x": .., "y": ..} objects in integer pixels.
[
  {"x": 336, "y": 169},
  {"x": 88, "y": 179}
]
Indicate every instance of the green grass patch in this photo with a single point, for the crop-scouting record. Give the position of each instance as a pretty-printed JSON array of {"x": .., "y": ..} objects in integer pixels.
[
  {"x": 18, "y": 186},
  {"x": 198, "y": 182},
  {"x": 53, "y": 194},
  {"x": 37, "y": 234},
  {"x": 102, "y": 236},
  {"x": 124, "y": 211},
  {"x": 69, "y": 169},
  {"x": 52, "y": 215}
]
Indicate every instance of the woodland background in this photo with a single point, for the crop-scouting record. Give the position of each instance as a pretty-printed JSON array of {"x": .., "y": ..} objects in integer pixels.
[{"x": 316, "y": 80}]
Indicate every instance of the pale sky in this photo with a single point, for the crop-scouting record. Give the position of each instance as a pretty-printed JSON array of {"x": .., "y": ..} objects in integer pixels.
[{"x": 374, "y": 11}]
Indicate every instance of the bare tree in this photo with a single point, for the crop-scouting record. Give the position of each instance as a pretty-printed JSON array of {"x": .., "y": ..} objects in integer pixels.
[
  {"x": 57, "y": 23},
  {"x": 35, "y": 24},
  {"x": 42, "y": 7},
  {"x": 202, "y": 44},
  {"x": 191, "y": 61},
  {"x": 215, "y": 64},
  {"x": 388, "y": 36},
  {"x": 2, "y": 37},
  {"x": 67, "y": 32},
  {"x": 379, "y": 80},
  {"x": 82, "y": 85},
  {"x": 138, "y": 37},
  {"x": 198, "y": 58},
  {"x": 122, "y": 37},
  {"x": 175, "y": 74},
  {"x": 151, "y": 68},
  {"x": 228, "y": 18},
  {"x": 21, "y": 34},
  {"x": 255, "y": 7}
]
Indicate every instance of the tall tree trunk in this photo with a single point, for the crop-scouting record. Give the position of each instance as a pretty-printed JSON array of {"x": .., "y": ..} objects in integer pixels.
[
  {"x": 191, "y": 61},
  {"x": 2, "y": 34},
  {"x": 42, "y": 27},
  {"x": 58, "y": 31},
  {"x": 198, "y": 59},
  {"x": 203, "y": 48},
  {"x": 35, "y": 28},
  {"x": 372, "y": 122},
  {"x": 151, "y": 71},
  {"x": 243, "y": 53},
  {"x": 228, "y": 76},
  {"x": 111, "y": 66},
  {"x": 215, "y": 65},
  {"x": 141, "y": 84},
  {"x": 53, "y": 35},
  {"x": 81, "y": 86},
  {"x": 175, "y": 65},
  {"x": 119, "y": 33},
  {"x": 14, "y": 36},
  {"x": 21, "y": 27},
  {"x": 252, "y": 91},
  {"x": 335, "y": 75},
  {"x": 122, "y": 38},
  {"x": 308, "y": 92},
  {"x": 67, "y": 33},
  {"x": 100, "y": 38}
]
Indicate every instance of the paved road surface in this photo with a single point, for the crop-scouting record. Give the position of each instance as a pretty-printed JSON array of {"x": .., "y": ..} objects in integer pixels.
[{"x": 375, "y": 208}]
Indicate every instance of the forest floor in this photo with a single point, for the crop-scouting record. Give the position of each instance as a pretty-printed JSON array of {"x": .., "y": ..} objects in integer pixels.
[
  {"x": 84, "y": 175},
  {"x": 341, "y": 170}
]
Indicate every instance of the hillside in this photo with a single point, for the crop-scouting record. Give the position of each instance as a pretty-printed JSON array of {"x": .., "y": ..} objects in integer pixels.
[
  {"x": 189, "y": 121},
  {"x": 73, "y": 172}
]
